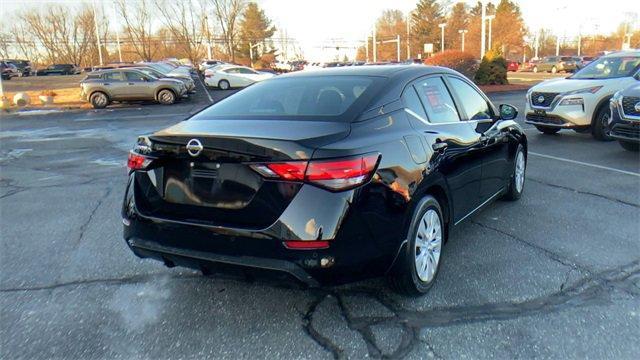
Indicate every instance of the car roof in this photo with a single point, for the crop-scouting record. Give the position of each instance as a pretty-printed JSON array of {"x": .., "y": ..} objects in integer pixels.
[
  {"x": 389, "y": 71},
  {"x": 623, "y": 53}
]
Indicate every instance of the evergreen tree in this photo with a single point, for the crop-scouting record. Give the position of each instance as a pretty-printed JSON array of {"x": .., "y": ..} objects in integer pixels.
[
  {"x": 457, "y": 19},
  {"x": 424, "y": 24},
  {"x": 256, "y": 28}
]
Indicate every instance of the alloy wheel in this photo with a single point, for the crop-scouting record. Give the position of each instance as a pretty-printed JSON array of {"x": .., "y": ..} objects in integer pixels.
[
  {"x": 519, "y": 171},
  {"x": 428, "y": 244}
]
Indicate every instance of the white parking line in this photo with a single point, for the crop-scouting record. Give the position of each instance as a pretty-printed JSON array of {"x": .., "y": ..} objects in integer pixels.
[
  {"x": 205, "y": 89},
  {"x": 585, "y": 164}
]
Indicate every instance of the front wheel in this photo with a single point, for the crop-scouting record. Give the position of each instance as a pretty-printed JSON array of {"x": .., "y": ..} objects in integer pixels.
[
  {"x": 516, "y": 183},
  {"x": 599, "y": 124},
  {"x": 554, "y": 70},
  {"x": 99, "y": 100},
  {"x": 629, "y": 146},
  {"x": 535, "y": 69},
  {"x": 418, "y": 263},
  {"x": 547, "y": 130}
]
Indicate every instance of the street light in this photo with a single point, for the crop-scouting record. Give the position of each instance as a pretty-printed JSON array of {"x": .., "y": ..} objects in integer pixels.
[
  {"x": 463, "y": 32},
  {"x": 490, "y": 18},
  {"x": 442, "y": 26}
]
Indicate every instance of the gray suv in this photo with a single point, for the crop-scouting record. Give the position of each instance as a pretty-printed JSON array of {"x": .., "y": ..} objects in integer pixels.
[{"x": 102, "y": 87}]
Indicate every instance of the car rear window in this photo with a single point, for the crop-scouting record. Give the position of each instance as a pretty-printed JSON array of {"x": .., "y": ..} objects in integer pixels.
[
  {"x": 566, "y": 58},
  {"x": 298, "y": 98}
]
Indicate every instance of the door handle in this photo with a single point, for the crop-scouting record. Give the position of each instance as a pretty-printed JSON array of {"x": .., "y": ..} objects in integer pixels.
[
  {"x": 439, "y": 146},
  {"x": 484, "y": 139}
]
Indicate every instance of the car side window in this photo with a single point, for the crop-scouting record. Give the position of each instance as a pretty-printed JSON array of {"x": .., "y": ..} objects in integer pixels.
[
  {"x": 412, "y": 101},
  {"x": 473, "y": 104},
  {"x": 437, "y": 101},
  {"x": 134, "y": 76},
  {"x": 113, "y": 76}
]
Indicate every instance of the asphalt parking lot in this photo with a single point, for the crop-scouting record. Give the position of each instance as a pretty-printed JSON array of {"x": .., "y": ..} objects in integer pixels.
[{"x": 555, "y": 275}]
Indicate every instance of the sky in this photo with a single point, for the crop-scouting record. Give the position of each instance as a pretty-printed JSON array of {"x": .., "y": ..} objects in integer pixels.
[{"x": 317, "y": 23}]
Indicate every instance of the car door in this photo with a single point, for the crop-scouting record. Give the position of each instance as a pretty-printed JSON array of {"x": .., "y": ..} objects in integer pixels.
[
  {"x": 235, "y": 78},
  {"x": 138, "y": 86},
  {"x": 494, "y": 142},
  {"x": 454, "y": 143},
  {"x": 114, "y": 83}
]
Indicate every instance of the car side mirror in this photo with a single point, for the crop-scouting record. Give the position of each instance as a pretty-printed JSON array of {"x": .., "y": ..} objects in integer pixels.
[{"x": 508, "y": 112}]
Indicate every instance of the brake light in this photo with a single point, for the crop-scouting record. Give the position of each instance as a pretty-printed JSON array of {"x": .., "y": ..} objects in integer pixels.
[
  {"x": 137, "y": 161},
  {"x": 306, "y": 245},
  {"x": 334, "y": 174}
]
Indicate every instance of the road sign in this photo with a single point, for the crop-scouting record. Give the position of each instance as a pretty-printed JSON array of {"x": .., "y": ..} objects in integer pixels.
[{"x": 428, "y": 48}]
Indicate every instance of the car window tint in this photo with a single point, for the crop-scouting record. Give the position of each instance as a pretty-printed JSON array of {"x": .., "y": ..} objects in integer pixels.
[
  {"x": 473, "y": 104},
  {"x": 134, "y": 76},
  {"x": 113, "y": 76},
  {"x": 437, "y": 101},
  {"x": 412, "y": 101},
  {"x": 309, "y": 98}
]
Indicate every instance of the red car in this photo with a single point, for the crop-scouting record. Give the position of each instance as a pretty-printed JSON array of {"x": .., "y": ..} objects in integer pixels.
[{"x": 513, "y": 66}]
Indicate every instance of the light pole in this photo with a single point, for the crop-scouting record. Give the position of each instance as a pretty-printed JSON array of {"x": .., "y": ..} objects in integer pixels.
[
  {"x": 375, "y": 46},
  {"x": 557, "y": 45},
  {"x": 206, "y": 24},
  {"x": 251, "y": 46},
  {"x": 490, "y": 18},
  {"x": 397, "y": 41},
  {"x": 483, "y": 28},
  {"x": 463, "y": 32},
  {"x": 95, "y": 20},
  {"x": 442, "y": 26},
  {"x": 408, "y": 36}
]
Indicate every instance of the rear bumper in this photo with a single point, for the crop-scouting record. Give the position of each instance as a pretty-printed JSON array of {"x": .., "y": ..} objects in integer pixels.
[
  {"x": 201, "y": 260},
  {"x": 357, "y": 248}
]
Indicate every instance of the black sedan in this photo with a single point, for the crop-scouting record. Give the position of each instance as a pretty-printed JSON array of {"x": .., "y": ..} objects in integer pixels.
[
  {"x": 624, "y": 122},
  {"x": 59, "y": 69},
  {"x": 327, "y": 176}
]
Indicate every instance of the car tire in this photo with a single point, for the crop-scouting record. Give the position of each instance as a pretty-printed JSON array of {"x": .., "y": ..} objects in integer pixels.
[
  {"x": 517, "y": 179},
  {"x": 418, "y": 262},
  {"x": 99, "y": 100},
  {"x": 629, "y": 146},
  {"x": 224, "y": 85},
  {"x": 554, "y": 70},
  {"x": 535, "y": 69},
  {"x": 547, "y": 129},
  {"x": 166, "y": 97},
  {"x": 599, "y": 124}
]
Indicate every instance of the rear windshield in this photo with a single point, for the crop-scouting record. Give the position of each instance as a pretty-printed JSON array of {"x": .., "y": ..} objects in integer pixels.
[{"x": 298, "y": 98}]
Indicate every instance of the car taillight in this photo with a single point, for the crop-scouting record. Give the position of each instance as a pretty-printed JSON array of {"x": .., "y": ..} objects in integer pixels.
[
  {"x": 334, "y": 174},
  {"x": 137, "y": 161}
]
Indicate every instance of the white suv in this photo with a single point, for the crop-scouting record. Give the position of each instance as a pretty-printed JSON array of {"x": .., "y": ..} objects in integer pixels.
[{"x": 581, "y": 101}]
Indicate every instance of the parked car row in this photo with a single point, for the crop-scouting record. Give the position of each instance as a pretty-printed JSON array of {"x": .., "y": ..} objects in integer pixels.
[
  {"x": 556, "y": 64},
  {"x": 603, "y": 99}
]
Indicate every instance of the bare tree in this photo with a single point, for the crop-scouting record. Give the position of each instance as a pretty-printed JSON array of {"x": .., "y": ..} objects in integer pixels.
[
  {"x": 65, "y": 36},
  {"x": 183, "y": 22},
  {"x": 137, "y": 17},
  {"x": 228, "y": 13}
]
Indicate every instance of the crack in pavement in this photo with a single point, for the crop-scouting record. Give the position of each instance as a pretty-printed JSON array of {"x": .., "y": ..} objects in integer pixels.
[
  {"x": 548, "y": 253},
  {"x": 126, "y": 280},
  {"x": 584, "y": 192},
  {"x": 591, "y": 290}
]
